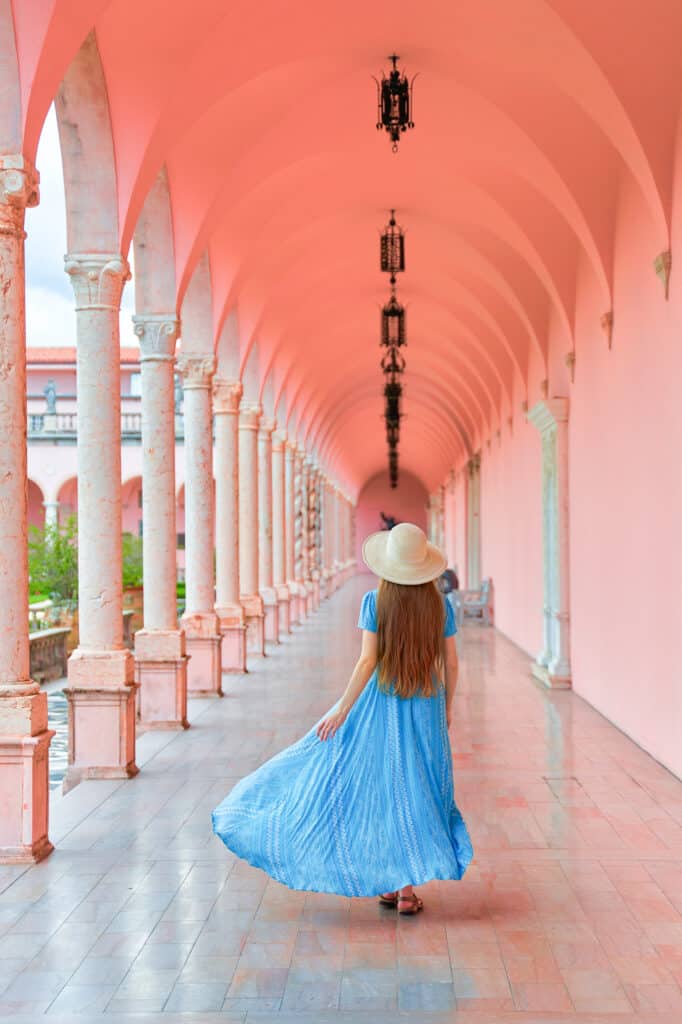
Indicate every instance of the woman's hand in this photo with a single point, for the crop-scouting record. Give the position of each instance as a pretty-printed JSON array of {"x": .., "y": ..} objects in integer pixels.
[{"x": 331, "y": 723}]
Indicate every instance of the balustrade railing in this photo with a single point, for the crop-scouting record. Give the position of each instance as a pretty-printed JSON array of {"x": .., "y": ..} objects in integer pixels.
[{"x": 47, "y": 425}]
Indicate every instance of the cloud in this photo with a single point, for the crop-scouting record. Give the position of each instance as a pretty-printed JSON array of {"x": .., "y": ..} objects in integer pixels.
[{"x": 50, "y": 317}]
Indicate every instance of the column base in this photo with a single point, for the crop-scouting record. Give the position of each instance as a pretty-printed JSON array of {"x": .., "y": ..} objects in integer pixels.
[
  {"x": 101, "y": 697},
  {"x": 271, "y": 610},
  {"x": 203, "y": 640},
  {"x": 233, "y": 632},
  {"x": 553, "y": 682},
  {"x": 254, "y": 617},
  {"x": 294, "y": 613},
  {"x": 24, "y": 788},
  {"x": 161, "y": 675},
  {"x": 283, "y": 606}
]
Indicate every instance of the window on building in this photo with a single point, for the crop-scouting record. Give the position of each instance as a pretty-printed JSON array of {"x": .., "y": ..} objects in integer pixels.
[{"x": 136, "y": 384}]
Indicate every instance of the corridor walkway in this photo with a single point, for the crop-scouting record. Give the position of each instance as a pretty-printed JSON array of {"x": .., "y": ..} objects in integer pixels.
[{"x": 572, "y": 909}]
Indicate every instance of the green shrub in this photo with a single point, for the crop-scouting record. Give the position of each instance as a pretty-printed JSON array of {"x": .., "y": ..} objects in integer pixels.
[
  {"x": 53, "y": 561},
  {"x": 131, "y": 552}
]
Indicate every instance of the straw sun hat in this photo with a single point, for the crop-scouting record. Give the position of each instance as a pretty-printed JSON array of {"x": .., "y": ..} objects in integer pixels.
[{"x": 403, "y": 555}]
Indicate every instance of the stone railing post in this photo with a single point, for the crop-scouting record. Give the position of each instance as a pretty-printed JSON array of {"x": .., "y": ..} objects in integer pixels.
[
  {"x": 160, "y": 659},
  {"x": 200, "y": 622},
  {"x": 226, "y": 398},
  {"x": 101, "y": 686}
]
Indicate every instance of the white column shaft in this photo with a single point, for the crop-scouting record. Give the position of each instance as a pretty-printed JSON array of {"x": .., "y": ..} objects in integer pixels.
[
  {"x": 227, "y": 395},
  {"x": 199, "y": 498},
  {"x": 98, "y": 284},
  {"x": 157, "y": 343},
  {"x": 18, "y": 188},
  {"x": 290, "y": 511},
  {"x": 249, "y": 416},
  {"x": 279, "y": 537},
  {"x": 265, "y": 504}
]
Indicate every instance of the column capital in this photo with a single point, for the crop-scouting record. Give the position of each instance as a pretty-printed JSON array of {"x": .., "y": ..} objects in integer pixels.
[
  {"x": 158, "y": 333},
  {"x": 196, "y": 370},
  {"x": 266, "y": 427},
  {"x": 279, "y": 441},
  {"x": 19, "y": 183},
  {"x": 249, "y": 415},
  {"x": 289, "y": 449},
  {"x": 97, "y": 279},
  {"x": 474, "y": 463},
  {"x": 548, "y": 413},
  {"x": 226, "y": 396}
]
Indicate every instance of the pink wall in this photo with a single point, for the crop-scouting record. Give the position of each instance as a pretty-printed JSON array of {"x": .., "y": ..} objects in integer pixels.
[
  {"x": 407, "y": 503},
  {"x": 511, "y": 531},
  {"x": 625, "y": 501}
]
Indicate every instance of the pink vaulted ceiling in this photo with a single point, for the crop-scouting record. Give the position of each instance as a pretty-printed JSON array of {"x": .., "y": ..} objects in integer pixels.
[{"x": 529, "y": 114}]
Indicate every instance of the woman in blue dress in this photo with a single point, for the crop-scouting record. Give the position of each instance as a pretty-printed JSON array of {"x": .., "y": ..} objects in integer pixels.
[{"x": 363, "y": 804}]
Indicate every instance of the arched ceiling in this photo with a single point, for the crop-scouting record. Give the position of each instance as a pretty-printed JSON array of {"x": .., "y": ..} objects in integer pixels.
[{"x": 529, "y": 116}]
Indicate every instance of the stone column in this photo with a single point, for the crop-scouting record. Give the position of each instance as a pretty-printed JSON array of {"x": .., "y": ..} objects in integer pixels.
[
  {"x": 24, "y": 736},
  {"x": 474, "y": 522},
  {"x": 101, "y": 690},
  {"x": 252, "y": 602},
  {"x": 279, "y": 532},
  {"x": 290, "y": 531},
  {"x": 305, "y": 563},
  {"x": 160, "y": 659},
  {"x": 200, "y": 622},
  {"x": 226, "y": 398},
  {"x": 313, "y": 534},
  {"x": 553, "y": 664},
  {"x": 265, "y": 577},
  {"x": 51, "y": 513},
  {"x": 450, "y": 520}
]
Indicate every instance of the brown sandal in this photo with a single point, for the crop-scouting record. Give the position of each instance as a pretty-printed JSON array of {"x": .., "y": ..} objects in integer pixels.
[
  {"x": 414, "y": 904},
  {"x": 388, "y": 899}
]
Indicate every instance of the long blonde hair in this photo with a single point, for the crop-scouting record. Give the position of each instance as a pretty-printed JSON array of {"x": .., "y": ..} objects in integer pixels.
[{"x": 410, "y": 623}]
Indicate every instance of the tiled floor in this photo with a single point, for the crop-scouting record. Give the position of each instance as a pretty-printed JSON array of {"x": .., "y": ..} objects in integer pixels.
[{"x": 571, "y": 911}]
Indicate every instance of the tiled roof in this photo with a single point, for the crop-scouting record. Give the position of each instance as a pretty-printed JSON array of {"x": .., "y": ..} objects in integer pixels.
[{"x": 36, "y": 355}]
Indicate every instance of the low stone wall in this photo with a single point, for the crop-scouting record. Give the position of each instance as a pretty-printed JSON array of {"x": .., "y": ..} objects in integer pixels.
[{"x": 48, "y": 653}]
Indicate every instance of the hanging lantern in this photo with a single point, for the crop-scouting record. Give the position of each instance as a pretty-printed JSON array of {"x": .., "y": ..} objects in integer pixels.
[
  {"x": 393, "y": 363},
  {"x": 394, "y": 103},
  {"x": 393, "y": 322},
  {"x": 392, "y": 250}
]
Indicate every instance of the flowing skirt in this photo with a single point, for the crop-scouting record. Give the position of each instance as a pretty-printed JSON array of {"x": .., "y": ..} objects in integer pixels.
[{"x": 368, "y": 811}]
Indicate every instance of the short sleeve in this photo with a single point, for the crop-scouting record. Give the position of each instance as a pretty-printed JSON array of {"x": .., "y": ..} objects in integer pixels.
[
  {"x": 450, "y": 624},
  {"x": 368, "y": 612}
]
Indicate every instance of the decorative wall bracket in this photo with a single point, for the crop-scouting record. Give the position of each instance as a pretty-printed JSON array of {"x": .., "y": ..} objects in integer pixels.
[
  {"x": 607, "y": 326},
  {"x": 662, "y": 266},
  {"x": 570, "y": 363}
]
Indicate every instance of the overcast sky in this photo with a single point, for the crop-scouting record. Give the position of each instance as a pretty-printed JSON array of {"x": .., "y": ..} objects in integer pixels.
[{"x": 50, "y": 318}]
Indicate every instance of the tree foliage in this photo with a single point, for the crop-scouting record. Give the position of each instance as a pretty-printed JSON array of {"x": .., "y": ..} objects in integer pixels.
[{"x": 53, "y": 560}]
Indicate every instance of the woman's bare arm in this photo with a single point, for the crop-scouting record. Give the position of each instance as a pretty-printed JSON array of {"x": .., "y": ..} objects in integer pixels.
[
  {"x": 360, "y": 675},
  {"x": 451, "y": 668}
]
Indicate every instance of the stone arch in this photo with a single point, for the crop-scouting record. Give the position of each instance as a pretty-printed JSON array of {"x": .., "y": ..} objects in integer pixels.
[
  {"x": 153, "y": 246},
  {"x": 36, "y": 507},
  {"x": 87, "y": 145}
]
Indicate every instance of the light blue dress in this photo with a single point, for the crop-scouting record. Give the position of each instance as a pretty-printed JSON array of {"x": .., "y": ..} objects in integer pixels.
[{"x": 368, "y": 811}]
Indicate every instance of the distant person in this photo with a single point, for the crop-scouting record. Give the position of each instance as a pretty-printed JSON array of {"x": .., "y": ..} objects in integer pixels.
[
  {"x": 389, "y": 521},
  {"x": 363, "y": 804}
]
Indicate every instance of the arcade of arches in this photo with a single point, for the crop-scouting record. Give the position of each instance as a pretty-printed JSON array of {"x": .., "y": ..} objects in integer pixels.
[{"x": 234, "y": 153}]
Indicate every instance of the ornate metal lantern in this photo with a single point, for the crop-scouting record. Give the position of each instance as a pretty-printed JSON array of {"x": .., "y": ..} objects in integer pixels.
[
  {"x": 394, "y": 103},
  {"x": 393, "y": 321},
  {"x": 393, "y": 364},
  {"x": 392, "y": 248}
]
